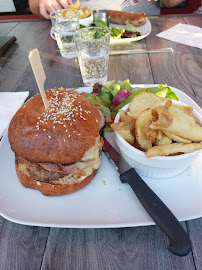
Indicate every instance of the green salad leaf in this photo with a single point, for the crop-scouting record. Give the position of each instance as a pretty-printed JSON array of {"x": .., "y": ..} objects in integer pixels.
[
  {"x": 99, "y": 23},
  {"x": 130, "y": 27},
  {"x": 160, "y": 90},
  {"x": 100, "y": 105},
  {"x": 110, "y": 89},
  {"x": 106, "y": 98},
  {"x": 116, "y": 32},
  {"x": 125, "y": 85}
]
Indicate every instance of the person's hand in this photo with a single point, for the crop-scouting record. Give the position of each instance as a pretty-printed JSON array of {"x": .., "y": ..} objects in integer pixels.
[
  {"x": 137, "y": 1},
  {"x": 48, "y": 6}
]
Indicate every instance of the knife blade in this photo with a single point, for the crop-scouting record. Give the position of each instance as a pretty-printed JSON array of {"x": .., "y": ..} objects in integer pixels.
[
  {"x": 180, "y": 244},
  {"x": 163, "y": 50}
]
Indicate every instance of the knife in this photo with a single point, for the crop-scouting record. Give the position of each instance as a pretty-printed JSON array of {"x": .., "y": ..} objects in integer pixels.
[
  {"x": 180, "y": 244},
  {"x": 5, "y": 44},
  {"x": 163, "y": 50}
]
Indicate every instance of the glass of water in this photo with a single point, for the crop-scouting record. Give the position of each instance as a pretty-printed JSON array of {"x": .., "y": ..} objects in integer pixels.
[
  {"x": 65, "y": 22},
  {"x": 93, "y": 53}
]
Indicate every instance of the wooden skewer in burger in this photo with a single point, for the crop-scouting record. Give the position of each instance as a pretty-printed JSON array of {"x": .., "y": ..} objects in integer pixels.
[{"x": 55, "y": 138}]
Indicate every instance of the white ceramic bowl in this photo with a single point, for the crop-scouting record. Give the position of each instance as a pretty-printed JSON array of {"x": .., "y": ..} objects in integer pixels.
[
  {"x": 87, "y": 20},
  {"x": 154, "y": 167}
]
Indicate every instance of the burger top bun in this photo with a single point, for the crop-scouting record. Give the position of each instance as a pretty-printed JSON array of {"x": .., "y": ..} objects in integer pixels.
[{"x": 60, "y": 135}]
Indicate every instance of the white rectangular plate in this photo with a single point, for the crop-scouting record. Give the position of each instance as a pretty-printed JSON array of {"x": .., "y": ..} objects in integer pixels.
[{"x": 105, "y": 202}]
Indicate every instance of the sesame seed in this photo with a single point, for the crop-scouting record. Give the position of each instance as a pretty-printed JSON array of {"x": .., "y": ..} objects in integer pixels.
[{"x": 62, "y": 109}]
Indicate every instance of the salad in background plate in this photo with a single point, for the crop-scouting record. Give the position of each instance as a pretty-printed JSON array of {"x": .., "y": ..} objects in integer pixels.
[{"x": 128, "y": 31}]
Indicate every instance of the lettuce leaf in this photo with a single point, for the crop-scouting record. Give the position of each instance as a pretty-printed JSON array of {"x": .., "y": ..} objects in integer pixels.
[
  {"x": 160, "y": 90},
  {"x": 99, "y": 23},
  {"x": 110, "y": 89},
  {"x": 125, "y": 85},
  {"x": 99, "y": 104},
  {"x": 106, "y": 98},
  {"x": 116, "y": 32},
  {"x": 130, "y": 27}
]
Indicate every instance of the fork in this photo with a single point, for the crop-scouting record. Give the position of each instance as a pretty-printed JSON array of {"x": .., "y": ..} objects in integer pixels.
[{"x": 128, "y": 3}]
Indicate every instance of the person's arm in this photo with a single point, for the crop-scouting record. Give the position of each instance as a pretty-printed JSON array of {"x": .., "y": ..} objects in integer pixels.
[
  {"x": 172, "y": 3},
  {"x": 42, "y": 8}
]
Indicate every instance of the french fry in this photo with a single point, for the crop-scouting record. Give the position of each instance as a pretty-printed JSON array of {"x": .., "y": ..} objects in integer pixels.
[
  {"x": 86, "y": 11},
  {"x": 75, "y": 6},
  {"x": 83, "y": 12},
  {"x": 143, "y": 101},
  {"x": 172, "y": 149},
  {"x": 126, "y": 134},
  {"x": 187, "y": 109},
  {"x": 164, "y": 119},
  {"x": 124, "y": 129},
  {"x": 151, "y": 134},
  {"x": 124, "y": 117},
  {"x": 158, "y": 127},
  {"x": 140, "y": 132},
  {"x": 177, "y": 138},
  {"x": 69, "y": 13},
  {"x": 159, "y": 134},
  {"x": 163, "y": 141},
  {"x": 183, "y": 125}
]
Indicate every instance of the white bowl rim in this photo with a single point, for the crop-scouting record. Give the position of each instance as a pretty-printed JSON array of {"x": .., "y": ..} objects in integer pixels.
[
  {"x": 177, "y": 157},
  {"x": 89, "y": 17}
]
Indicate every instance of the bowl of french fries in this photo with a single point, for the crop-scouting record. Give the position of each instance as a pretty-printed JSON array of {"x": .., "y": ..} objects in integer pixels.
[
  {"x": 159, "y": 137},
  {"x": 85, "y": 14}
]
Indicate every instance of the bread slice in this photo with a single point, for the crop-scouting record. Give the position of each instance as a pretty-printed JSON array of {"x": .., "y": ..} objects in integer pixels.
[{"x": 120, "y": 17}]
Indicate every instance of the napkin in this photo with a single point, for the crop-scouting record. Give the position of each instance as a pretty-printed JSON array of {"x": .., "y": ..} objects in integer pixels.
[
  {"x": 184, "y": 33},
  {"x": 9, "y": 104}
]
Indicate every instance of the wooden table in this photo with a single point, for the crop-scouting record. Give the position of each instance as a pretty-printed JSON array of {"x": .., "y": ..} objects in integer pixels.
[{"x": 31, "y": 247}]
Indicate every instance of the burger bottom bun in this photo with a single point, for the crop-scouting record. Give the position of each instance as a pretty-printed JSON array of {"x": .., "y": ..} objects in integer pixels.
[{"x": 50, "y": 188}]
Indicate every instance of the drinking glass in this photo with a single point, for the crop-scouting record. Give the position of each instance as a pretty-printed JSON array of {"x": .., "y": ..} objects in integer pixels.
[
  {"x": 92, "y": 44},
  {"x": 65, "y": 22},
  {"x": 102, "y": 14}
]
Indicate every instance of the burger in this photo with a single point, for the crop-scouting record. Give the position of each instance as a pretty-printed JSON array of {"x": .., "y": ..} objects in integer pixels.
[{"x": 57, "y": 151}]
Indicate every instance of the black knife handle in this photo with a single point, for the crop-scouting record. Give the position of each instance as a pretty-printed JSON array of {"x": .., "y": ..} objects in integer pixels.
[
  {"x": 5, "y": 44},
  {"x": 179, "y": 241}
]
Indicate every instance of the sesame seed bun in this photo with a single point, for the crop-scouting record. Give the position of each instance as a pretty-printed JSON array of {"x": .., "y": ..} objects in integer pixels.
[
  {"x": 57, "y": 151},
  {"x": 62, "y": 135}
]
